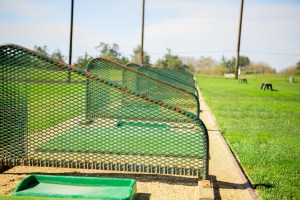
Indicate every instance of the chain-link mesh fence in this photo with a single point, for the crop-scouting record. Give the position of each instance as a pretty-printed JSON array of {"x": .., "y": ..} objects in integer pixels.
[
  {"x": 179, "y": 74},
  {"x": 52, "y": 114},
  {"x": 143, "y": 84},
  {"x": 166, "y": 77}
]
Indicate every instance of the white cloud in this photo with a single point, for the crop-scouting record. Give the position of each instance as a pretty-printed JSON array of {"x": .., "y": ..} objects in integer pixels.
[
  {"x": 54, "y": 35},
  {"x": 212, "y": 27},
  {"x": 25, "y": 8},
  {"x": 189, "y": 28},
  {"x": 190, "y": 34}
]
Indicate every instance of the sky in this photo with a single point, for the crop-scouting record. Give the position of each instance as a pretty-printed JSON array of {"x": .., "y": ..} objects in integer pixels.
[{"x": 270, "y": 31}]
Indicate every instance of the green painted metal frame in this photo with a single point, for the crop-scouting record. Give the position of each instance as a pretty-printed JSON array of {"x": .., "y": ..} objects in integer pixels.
[
  {"x": 168, "y": 79},
  {"x": 144, "y": 84}
]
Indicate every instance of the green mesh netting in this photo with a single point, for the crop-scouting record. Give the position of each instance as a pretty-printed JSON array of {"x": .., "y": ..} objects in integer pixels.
[
  {"x": 143, "y": 84},
  {"x": 180, "y": 74},
  {"x": 109, "y": 118},
  {"x": 166, "y": 77}
]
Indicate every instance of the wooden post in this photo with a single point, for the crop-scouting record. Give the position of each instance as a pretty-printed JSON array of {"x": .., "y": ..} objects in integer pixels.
[
  {"x": 71, "y": 40},
  {"x": 142, "y": 42},
  {"x": 239, "y": 41}
]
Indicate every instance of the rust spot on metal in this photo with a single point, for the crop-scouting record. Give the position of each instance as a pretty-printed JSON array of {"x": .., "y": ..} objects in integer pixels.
[
  {"x": 177, "y": 108},
  {"x": 146, "y": 96}
]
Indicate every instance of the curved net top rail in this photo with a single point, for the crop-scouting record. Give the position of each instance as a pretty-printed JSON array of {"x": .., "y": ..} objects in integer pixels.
[
  {"x": 160, "y": 75},
  {"x": 144, "y": 84},
  {"x": 52, "y": 114}
]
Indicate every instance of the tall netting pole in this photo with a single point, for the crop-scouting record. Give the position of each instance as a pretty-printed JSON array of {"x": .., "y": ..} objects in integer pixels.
[
  {"x": 239, "y": 42},
  {"x": 71, "y": 39},
  {"x": 142, "y": 42}
]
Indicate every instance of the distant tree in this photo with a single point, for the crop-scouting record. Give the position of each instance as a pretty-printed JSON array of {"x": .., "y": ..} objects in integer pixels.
[
  {"x": 298, "y": 65},
  {"x": 42, "y": 50},
  {"x": 220, "y": 70},
  {"x": 228, "y": 64},
  {"x": 244, "y": 61},
  {"x": 189, "y": 63},
  {"x": 136, "y": 57},
  {"x": 106, "y": 49},
  {"x": 291, "y": 70},
  {"x": 123, "y": 60},
  {"x": 161, "y": 63},
  {"x": 187, "y": 67},
  {"x": 58, "y": 55},
  {"x": 170, "y": 61},
  {"x": 206, "y": 65},
  {"x": 111, "y": 52},
  {"x": 82, "y": 61},
  {"x": 260, "y": 68}
]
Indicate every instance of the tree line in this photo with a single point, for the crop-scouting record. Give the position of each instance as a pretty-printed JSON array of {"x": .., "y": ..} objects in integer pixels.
[
  {"x": 295, "y": 69},
  {"x": 202, "y": 65}
]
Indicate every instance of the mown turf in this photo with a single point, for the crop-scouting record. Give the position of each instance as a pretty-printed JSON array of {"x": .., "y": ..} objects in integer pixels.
[{"x": 262, "y": 128}]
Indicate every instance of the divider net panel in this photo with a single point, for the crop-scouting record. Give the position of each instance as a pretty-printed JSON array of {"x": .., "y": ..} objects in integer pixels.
[
  {"x": 144, "y": 84},
  {"x": 183, "y": 75},
  {"x": 167, "y": 78}
]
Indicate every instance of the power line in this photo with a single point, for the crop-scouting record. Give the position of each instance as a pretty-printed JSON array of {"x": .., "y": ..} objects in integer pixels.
[
  {"x": 271, "y": 53},
  {"x": 194, "y": 52}
]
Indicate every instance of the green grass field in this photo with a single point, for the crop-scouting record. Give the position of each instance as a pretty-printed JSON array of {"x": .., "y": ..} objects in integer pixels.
[{"x": 262, "y": 128}]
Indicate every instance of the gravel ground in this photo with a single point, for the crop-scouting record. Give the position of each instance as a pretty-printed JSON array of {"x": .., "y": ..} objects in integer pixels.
[{"x": 150, "y": 186}]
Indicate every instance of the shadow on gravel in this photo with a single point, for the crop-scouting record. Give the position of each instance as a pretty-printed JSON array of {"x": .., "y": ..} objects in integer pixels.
[
  {"x": 171, "y": 180},
  {"x": 143, "y": 196},
  {"x": 217, "y": 185},
  {"x": 4, "y": 168}
]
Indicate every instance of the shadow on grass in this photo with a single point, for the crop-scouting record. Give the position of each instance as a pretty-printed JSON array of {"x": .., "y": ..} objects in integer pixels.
[{"x": 262, "y": 185}]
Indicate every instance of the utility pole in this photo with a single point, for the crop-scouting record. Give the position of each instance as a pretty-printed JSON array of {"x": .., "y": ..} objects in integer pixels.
[
  {"x": 239, "y": 41},
  {"x": 71, "y": 32},
  {"x": 142, "y": 42},
  {"x": 71, "y": 40}
]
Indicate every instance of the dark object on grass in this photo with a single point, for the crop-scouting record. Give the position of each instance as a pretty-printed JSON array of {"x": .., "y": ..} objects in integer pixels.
[
  {"x": 243, "y": 80},
  {"x": 266, "y": 86}
]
